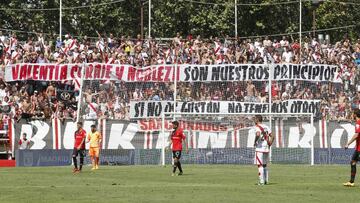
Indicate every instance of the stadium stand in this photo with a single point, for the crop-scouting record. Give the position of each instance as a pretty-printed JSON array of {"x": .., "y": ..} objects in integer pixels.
[{"x": 43, "y": 100}]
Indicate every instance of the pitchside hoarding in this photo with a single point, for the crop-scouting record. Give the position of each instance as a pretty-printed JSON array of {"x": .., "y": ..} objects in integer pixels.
[
  {"x": 128, "y": 143},
  {"x": 63, "y": 157},
  {"x": 146, "y": 134}
]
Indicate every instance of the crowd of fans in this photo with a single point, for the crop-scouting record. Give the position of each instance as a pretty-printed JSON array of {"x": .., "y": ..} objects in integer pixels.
[{"x": 111, "y": 99}]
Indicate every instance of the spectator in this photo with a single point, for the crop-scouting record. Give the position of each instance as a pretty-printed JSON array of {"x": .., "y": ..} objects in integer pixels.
[
  {"x": 24, "y": 143},
  {"x": 111, "y": 99}
]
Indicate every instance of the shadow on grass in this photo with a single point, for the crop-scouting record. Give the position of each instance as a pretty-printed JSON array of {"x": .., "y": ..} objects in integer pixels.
[{"x": 269, "y": 184}]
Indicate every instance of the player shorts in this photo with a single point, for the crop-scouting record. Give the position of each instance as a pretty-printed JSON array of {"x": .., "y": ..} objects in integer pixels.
[
  {"x": 356, "y": 156},
  {"x": 176, "y": 154},
  {"x": 77, "y": 152},
  {"x": 94, "y": 151},
  {"x": 261, "y": 158}
]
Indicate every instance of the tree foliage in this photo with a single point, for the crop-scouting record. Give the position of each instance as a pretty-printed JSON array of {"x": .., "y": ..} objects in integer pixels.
[{"x": 172, "y": 16}]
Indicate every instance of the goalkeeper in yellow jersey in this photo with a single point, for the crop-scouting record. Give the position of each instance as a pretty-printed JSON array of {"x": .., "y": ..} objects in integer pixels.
[{"x": 94, "y": 137}]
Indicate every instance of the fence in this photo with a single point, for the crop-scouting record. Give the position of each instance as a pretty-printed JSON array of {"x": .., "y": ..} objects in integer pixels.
[{"x": 128, "y": 101}]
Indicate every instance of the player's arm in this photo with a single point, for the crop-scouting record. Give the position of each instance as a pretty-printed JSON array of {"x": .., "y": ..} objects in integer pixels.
[
  {"x": 271, "y": 139},
  {"x": 354, "y": 137},
  {"x": 257, "y": 137},
  {"x": 100, "y": 140},
  {"x": 82, "y": 142}
]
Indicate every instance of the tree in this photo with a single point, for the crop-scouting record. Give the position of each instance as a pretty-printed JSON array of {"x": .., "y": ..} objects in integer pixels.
[{"x": 172, "y": 16}]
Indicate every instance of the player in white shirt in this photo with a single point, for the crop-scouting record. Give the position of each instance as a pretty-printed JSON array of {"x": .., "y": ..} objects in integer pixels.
[{"x": 263, "y": 141}]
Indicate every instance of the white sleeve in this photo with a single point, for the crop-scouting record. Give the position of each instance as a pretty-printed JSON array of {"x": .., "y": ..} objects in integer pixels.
[{"x": 257, "y": 129}]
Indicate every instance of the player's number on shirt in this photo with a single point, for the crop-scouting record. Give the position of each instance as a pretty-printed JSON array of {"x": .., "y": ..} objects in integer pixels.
[{"x": 264, "y": 135}]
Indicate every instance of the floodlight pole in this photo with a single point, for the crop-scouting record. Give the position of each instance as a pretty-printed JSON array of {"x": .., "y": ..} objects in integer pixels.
[
  {"x": 300, "y": 27},
  {"x": 142, "y": 19},
  {"x": 312, "y": 139},
  {"x": 80, "y": 92},
  {"x": 60, "y": 21},
  {"x": 270, "y": 103},
  {"x": 236, "y": 34},
  {"x": 163, "y": 147},
  {"x": 149, "y": 18}
]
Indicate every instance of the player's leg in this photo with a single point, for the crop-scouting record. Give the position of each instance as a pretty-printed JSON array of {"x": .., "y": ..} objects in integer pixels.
[
  {"x": 353, "y": 171},
  {"x": 82, "y": 155},
  {"x": 74, "y": 155},
  {"x": 175, "y": 163},
  {"x": 97, "y": 153},
  {"x": 179, "y": 164},
  {"x": 265, "y": 166},
  {"x": 92, "y": 157},
  {"x": 354, "y": 159},
  {"x": 259, "y": 163}
]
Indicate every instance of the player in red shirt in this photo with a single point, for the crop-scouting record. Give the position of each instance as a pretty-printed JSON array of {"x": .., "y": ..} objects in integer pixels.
[
  {"x": 356, "y": 156},
  {"x": 79, "y": 147},
  {"x": 177, "y": 138}
]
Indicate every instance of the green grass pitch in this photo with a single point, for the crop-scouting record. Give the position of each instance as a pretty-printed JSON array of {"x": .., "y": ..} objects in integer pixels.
[{"x": 200, "y": 183}]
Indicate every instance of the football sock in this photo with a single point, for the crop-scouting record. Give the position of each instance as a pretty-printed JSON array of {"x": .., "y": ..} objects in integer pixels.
[
  {"x": 75, "y": 161},
  {"x": 261, "y": 173},
  {"x": 175, "y": 165},
  {"x": 93, "y": 162},
  {"x": 179, "y": 166},
  {"x": 353, "y": 173},
  {"x": 81, "y": 162},
  {"x": 266, "y": 174}
]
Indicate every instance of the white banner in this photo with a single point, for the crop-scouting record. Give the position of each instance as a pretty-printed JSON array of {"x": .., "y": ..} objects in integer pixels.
[
  {"x": 166, "y": 73},
  {"x": 312, "y": 72},
  {"x": 93, "y": 71},
  {"x": 154, "y": 109}
]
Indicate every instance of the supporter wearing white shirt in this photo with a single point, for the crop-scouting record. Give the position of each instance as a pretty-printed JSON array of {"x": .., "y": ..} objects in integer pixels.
[
  {"x": 316, "y": 57},
  {"x": 257, "y": 43},
  {"x": 276, "y": 44},
  {"x": 261, "y": 50},
  {"x": 67, "y": 41},
  {"x": 2, "y": 92},
  {"x": 2, "y": 37},
  {"x": 284, "y": 42},
  {"x": 287, "y": 56},
  {"x": 92, "y": 111},
  {"x": 24, "y": 142},
  {"x": 267, "y": 42},
  {"x": 41, "y": 59},
  {"x": 100, "y": 44},
  {"x": 137, "y": 95},
  {"x": 314, "y": 42},
  {"x": 285, "y": 95},
  {"x": 41, "y": 39},
  {"x": 251, "y": 46}
]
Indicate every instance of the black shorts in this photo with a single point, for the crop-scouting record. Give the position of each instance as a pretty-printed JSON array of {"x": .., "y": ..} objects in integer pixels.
[
  {"x": 77, "y": 152},
  {"x": 177, "y": 154},
  {"x": 355, "y": 156}
]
